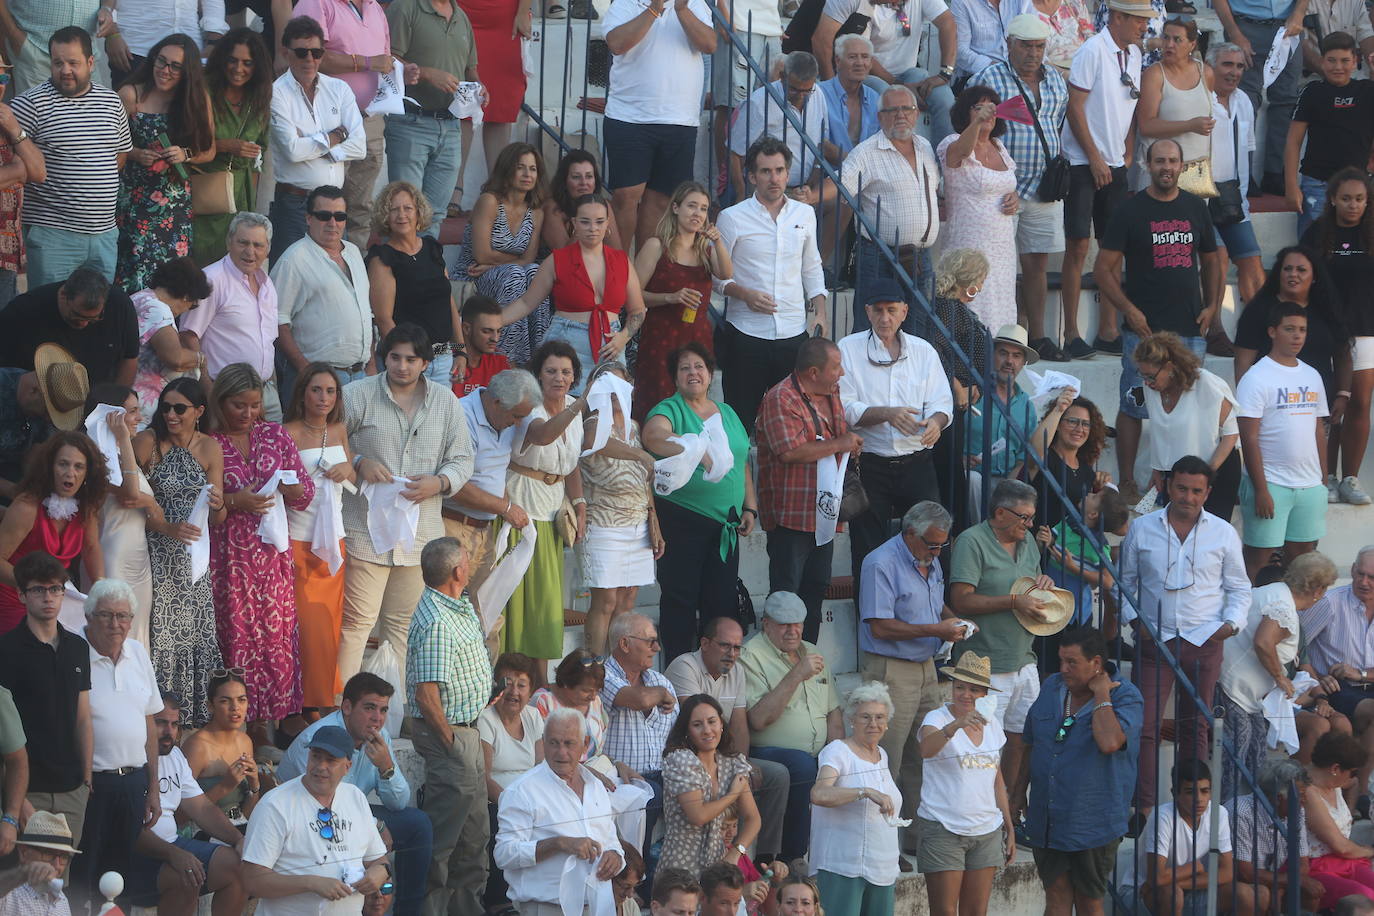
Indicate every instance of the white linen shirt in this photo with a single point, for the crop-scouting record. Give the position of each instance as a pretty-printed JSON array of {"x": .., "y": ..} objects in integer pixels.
[
  {"x": 916, "y": 380},
  {"x": 1097, "y": 67},
  {"x": 123, "y": 695},
  {"x": 1188, "y": 589},
  {"x": 490, "y": 451},
  {"x": 900, "y": 203},
  {"x": 761, "y": 115},
  {"x": 855, "y": 840},
  {"x": 330, "y": 315},
  {"x": 234, "y": 325},
  {"x": 299, "y": 132},
  {"x": 778, "y": 256},
  {"x": 1226, "y": 137},
  {"x": 1242, "y": 675},
  {"x": 690, "y": 677},
  {"x": 144, "y": 23},
  {"x": 540, "y": 805}
]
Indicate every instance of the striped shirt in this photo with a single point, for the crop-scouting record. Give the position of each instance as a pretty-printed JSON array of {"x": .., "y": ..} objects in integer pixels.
[
  {"x": 81, "y": 139},
  {"x": 446, "y": 646},
  {"x": 1337, "y": 631},
  {"x": 1021, "y": 140}
]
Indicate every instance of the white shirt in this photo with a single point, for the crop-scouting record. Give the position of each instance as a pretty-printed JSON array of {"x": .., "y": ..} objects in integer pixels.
[
  {"x": 540, "y": 805},
  {"x": 1192, "y": 427},
  {"x": 777, "y": 256},
  {"x": 879, "y": 175},
  {"x": 958, "y": 785},
  {"x": 1288, "y": 401},
  {"x": 284, "y": 835},
  {"x": 1242, "y": 675},
  {"x": 490, "y": 452},
  {"x": 144, "y": 23},
  {"x": 895, "y": 51},
  {"x": 330, "y": 315},
  {"x": 660, "y": 79},
  {"x": 855, "y": 840},
  {"x": 123, "y": 695},
  {"x": 1097, "y": 68},
  {"x": 761, "y": 114},
  {"x": 1226, "y": 135},
  {"x": 690, "y": 677},
  {"x": 1168, "y": 835},
  {"x": 916, "y": 380},
  {"x": 175, "y": 783},
  {"x": 757, "y": 17},
  {"x": 510, "y": 759},
  {"x": 1188, "y": 589},
  {"x": 299, "y": 133}
]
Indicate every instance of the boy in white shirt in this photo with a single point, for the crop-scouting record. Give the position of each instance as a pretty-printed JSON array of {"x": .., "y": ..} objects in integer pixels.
[{"x": 1283, "y": 441}]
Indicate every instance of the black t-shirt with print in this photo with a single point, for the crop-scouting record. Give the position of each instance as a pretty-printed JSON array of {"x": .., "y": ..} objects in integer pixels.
[
  {"x": 1352, "y": 272},
  {"x": 1340, "y": 126}
]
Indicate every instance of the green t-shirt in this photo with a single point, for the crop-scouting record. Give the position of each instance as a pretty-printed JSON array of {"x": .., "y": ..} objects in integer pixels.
[
  {"x": 11, "y": 726},
  {"x": 980, "y": 561},
  {"x": 713, "y": 500}
]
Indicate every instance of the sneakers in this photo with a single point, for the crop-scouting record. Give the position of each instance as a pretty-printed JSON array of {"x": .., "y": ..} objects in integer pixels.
[
  {"x": 1078, "y": 349},
  {"x": 1049, "y": 350},
  {"x": 1333, "y": 493},
  {"x": 1112, "y": 347},
  {"x": 1351, "y": 492}
]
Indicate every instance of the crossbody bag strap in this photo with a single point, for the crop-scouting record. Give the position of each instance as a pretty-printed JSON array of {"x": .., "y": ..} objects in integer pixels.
[{"x": 1035, "y": 114}]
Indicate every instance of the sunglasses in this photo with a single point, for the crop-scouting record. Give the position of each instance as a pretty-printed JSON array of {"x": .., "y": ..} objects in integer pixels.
[
  {"x": 303, "y": 53},
  {"x": 325, "y": 216},
  {"x": 325, "y": 819},
  {"x": 1064, "y": 727},
  {"x": 1129, "y": 83},
  {"x": 178, "y": 409},
  {"x": 589, "y": 660},
  {"x": 233, "y": 671}
]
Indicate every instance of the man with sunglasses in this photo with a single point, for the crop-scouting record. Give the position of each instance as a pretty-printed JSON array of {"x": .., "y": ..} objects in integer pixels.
[
  {"x": 312, "y": 847},
  {"x": 1083, "y": 732},
  {"x": 316, "y": 130}
]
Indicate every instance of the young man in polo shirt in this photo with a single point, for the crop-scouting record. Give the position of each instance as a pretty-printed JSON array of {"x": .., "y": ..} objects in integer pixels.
[{"x": 47, "y": 669}]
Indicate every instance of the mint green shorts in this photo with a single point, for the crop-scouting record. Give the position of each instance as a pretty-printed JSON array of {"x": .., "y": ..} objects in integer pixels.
[{"x": 1299, "y": 515}]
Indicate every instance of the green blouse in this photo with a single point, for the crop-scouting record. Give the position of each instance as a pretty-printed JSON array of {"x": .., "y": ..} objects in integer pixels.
[{"x": 719, "y": 501}]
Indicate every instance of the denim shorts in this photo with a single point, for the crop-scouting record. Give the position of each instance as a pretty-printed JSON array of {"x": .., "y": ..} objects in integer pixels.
[
  {"x": 1132, "y": 385},
  {"x": 1239, "y": 240},
  {"x": 145, "y": 869},
  {"x": 574, "y": 333}
]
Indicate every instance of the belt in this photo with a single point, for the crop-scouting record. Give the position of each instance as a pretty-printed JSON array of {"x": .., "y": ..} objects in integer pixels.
[
  {"x": 356, "y": 367},
  {"x": 118, "y": 771},
  {"x": 903, "y": 251},
  {"x": 1260, "y": 21},
  {"x": 923, "y": 454},
  {"x": 293, "y": 190},
  {"x": 466, "y": 519},
  {"x": 442, "y": 114},
  {"x": 531, "y": 473}
]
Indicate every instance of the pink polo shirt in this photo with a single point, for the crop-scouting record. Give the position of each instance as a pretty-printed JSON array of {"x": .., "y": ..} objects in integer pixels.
[
  {"x": 234, "y": 325},
  {"x": 352, "y": 27}
]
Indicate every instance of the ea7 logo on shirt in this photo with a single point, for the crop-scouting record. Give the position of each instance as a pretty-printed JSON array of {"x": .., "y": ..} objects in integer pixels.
[
  {"x": 1288, "y": 398},
  {"x": 1171, "y": 242},
  {"x": 1344, "y": 103}
]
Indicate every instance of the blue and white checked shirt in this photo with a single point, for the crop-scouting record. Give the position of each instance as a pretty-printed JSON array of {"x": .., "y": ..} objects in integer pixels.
[
  {"x": 1336, "y": 632},
  {"x": 1020, "y": 139},
  {"x": 635, "y": 738}
]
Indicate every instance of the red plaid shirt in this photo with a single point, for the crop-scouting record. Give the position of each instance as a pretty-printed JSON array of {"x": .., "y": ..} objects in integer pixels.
[{"x": 787, "y": 492}]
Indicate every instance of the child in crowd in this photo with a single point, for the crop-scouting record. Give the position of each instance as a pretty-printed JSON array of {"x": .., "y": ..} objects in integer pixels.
[
  {"x": 624, "y": 884},
  {"x": 757, "y": 884}
]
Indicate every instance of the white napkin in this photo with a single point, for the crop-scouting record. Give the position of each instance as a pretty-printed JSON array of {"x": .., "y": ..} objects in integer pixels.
[
  {"x": 1279, "y": 53},
  {"x": 390, "y": 88},
  {"x": 467, "y": 102},
  {"x": 673, "y": 472},
  {"x": 578, "y": 887},
  {"x": 98, "y": 428},
  {"x": 607, "y": 391},
  {"x": 1047, "y": 386},
  {"x": 505, "y": 575},
  {"x": 272, "y": 526},
  {"x": 72, "y": 614},
  {"x": 200, "y": 548},
  {"x": 391, "y": 518},
  {"x": 829, "y": 492},
  {"x": 629, "y": 802},
  {"x": 895, "y": 821},
  {"x": 1281, "y": 712},
  {"x": 329, "y": 529},
  {"x": 717, "y": 449}
]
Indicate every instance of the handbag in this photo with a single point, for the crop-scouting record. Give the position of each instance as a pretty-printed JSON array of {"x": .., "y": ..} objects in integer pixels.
[
  {"x": 1054, "y": 181},
  {"x": 1228, "y": 207},
  {"x": 853, "y": 498},
  {"x": 212, "y": 193},
  {"x": 565, "y": 522},
  {"x": 1196, "y": 178}
]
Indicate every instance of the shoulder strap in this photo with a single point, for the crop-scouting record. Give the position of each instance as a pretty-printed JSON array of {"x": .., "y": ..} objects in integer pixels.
[{"x": 1035, "y": 113}]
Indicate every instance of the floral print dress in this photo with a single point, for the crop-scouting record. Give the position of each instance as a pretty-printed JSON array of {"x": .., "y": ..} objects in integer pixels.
[{"x": 154, "y": 214}]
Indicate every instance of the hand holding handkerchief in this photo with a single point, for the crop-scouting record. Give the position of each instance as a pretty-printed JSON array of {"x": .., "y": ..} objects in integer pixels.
[
  {"x": 391, "y": 518},
  {"x": 272, "y": 526},
  {"x": 98, "y": 428}
]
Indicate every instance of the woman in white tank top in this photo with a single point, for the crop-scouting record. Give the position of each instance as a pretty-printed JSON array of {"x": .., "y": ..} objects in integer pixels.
[{"x": 1176, "y": 98}]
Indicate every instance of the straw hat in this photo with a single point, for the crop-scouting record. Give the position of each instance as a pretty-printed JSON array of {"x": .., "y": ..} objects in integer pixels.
[
  {"x": 1016, "y": 335},
  {"x": 972, "y": 669},
  {"x": 1058, "y": 607},
  {"x": 1141, "y": 8},
  {"x": 63, "y": 383},
  {"x": 46, "y": 830}
]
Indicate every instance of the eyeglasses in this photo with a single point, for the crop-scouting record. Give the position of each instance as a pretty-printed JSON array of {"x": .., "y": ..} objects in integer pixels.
[
  {"x": 1150, "y": 377},
  {"x": 1076, "y": 423},
  {"x": 651, "y": 640},
  {"x": 899, "y": 109},
  {"x": 1126, "y": 79},
  {"x": 167, "y": 407},
  {"x": 1064, "y": 727},
  {"x": 112, "y": 617},
  {"x": 729, "y": 647},
  {"x": 325, "y": 216},
  {"x": 934, "y": 548},
  {"x": 233, "y": 671},
  {"x": 884, "y": 363},
  {"x": 793, "y": 90},
  {"x": 38, "y": 591},
  {"x": 303, "y": 53},
  {"x": 170, "y": 66},
  {"x": 325, "y": 819},
  {"x": 1027, "y": 519}
]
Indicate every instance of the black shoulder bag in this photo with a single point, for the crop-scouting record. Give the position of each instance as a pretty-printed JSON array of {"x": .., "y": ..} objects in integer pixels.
[
  {"x": 1054, "y": 182},
  {"x": 1228, "y": 207}
]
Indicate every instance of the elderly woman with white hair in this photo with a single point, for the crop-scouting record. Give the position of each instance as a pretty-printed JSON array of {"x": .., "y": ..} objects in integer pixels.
[
  {"x": 854, "y": 853},
  {"x": 1264, "y": 656}
]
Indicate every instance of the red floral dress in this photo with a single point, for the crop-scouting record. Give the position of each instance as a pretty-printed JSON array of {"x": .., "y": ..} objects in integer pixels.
[
  {"x": 11, "y": 203},
  {"x": 154, "y": 214}
]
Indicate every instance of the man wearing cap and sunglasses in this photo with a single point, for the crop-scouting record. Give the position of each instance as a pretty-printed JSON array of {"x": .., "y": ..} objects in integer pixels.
[{"x": 312, "y": 847}]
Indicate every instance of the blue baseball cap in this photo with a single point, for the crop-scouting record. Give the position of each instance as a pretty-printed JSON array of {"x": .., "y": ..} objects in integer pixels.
[{"x": 333, "y": 740}]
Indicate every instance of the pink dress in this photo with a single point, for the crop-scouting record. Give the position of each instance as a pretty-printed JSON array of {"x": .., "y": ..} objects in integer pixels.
[
  {"x": 254, "y": 588},
  {"x": 973, "y": 199}
]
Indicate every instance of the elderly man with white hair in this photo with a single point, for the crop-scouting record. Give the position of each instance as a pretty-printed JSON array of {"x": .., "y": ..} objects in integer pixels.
[
  {"x": 1261, "y": 852},
  {"x": 556, "y": 817},
  {"x": 851, "y": 105},
  {"x": 124, "y": 698},
  {"x": 237, "y": 322}
]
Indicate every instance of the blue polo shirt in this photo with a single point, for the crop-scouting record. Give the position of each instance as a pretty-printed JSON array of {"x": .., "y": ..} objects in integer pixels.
[
  {"x": 1080, "y": 798},
  {"x": 837, "y": 113},
  {"x": 892, "y": 588}
]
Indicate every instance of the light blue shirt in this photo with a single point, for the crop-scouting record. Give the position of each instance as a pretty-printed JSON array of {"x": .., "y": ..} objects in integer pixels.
[
  {"x": 892, "y": 588},
  {"x": 1262, "y": 9},
  {"x": 983, "y": 31},
  {"x": 394, "y": 792},
  {"x": 837, "y": 113},
  {"x": 490, "y": 451}
]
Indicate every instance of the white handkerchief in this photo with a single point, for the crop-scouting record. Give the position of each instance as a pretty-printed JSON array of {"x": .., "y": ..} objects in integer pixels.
[
  {"x": 391, "y": 518},
  {"x": 1279, "y": 54},
  {"x": 1281, "y": 712},
  {"x": 72, "y": 614},
  {"x": 390, "y": 89},
  {"x": 329, "y": 529},
  {"x": 579, "y": 888},
  {"x": 673, "y": 472},
  {"x": 200, "y": 548},
  {"x": 98, "y": 428},
  {"x": 829, "y": 492},
  {"x": 1046, "y": 387},
  {"x": 272, "y": 526},
  {"x": 608, "y": 389},
  {"x": 895, "y": 821},
  {"x": 505, "y": 575},
  {"x": 467, "y": 102},
  {"x": 717, "y": 449}
]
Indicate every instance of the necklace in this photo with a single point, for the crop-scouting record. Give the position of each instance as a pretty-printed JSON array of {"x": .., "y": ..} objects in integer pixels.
[{"x": 313, "y": 428}]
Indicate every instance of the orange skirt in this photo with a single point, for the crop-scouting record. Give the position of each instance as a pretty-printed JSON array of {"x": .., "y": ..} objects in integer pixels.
[{"x": 319, "y": 611}]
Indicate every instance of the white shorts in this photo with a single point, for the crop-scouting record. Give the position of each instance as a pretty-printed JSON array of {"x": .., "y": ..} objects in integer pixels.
[
  {"x": 1040, "y": 227},
  {"x": 1018, "y": 690},
  {"x": 1363, "y": 351}
]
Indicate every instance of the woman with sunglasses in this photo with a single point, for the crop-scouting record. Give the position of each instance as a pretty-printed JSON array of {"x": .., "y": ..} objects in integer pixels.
[
  {"x": 315, "y": 423},
  {"x": 171, "y": 124},
  {"x": 221, "y": 753},
  {"x": 164, "y": 353},
  {"x": 180, "y": 461},
  {"x": 577, "y": 683},
  {"x": 964, "y": 821},
  {"x": 255, "y": 599}
]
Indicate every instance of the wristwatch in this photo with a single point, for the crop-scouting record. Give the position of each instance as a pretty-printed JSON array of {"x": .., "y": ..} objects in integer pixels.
[
  {"x": 947, "y": 73},
  {"x": 744, "y": 853},
  {"x": 21, "y": 136},
  {"x": 387, "y": 773}
]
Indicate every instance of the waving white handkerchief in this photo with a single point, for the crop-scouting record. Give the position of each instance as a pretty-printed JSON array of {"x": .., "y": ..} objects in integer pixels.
[
  {"x": 673, "y": 472},
  {"x": 1279, "y": 54},
  {"x": 829, "y": 492},
  {"x": 200, "y": 548},
  {"x": 391, "y": 518},
  {"x": 98, "y": 428},
  {"x": 329, "y": 529},
  {"x": 608, "y": 388},
  {"x": 467, "y": 102},
  {"x": 717, "y": 449},
  {"x": 72, "y": 614},
  {"x": 391, "y": 87},
  {"x": 1046, "y": 387},
  {"x": 505, "y": 575},
  {"x": 1281, "y": 712},
  {"x": 272, "y": 526}
]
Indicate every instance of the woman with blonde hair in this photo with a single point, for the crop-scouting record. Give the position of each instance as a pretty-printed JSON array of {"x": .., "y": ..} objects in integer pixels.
[
  {"x": 676, "y": 268},
  {"x": 407, "y": 278},
  {"x": 958, "y": 279},
  {"x": 798, "y": 895},
  {"x": 1192, "y": 412}
]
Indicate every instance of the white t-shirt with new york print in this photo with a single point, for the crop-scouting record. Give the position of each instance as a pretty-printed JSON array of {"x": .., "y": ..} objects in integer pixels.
[{"x": 1288, "y": 401}]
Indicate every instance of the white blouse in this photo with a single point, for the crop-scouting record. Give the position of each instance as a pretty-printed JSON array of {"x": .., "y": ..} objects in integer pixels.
[
  {"x": 539, "y": 499},
  {"x": 510, "y": 758},
  {"x": 1242, "y": 676},
  {"x": 959, "y": 784},
  {"x": 1191, "y": 427},
  {"x": 855, "y": 840}
]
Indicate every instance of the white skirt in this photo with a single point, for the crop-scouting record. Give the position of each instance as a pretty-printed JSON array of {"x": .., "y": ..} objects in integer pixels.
[{"x": 617, "y": 557}]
